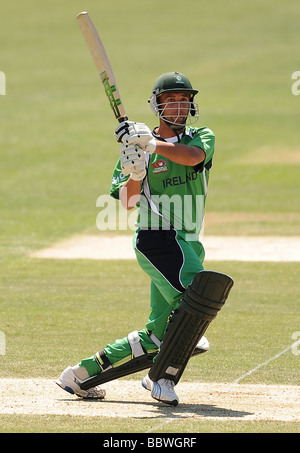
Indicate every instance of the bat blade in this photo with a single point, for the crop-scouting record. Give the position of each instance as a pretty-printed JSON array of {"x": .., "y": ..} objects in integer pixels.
[{"x": 102, "y": 64}]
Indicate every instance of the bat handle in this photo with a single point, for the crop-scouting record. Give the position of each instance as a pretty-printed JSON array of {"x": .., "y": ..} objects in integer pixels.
[{"x": 122, "y": 118}]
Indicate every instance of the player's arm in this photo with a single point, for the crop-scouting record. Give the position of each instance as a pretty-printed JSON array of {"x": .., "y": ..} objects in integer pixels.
[
  {"x": 130, "y": 193},
  {"x": 180, "y": 154},
  {"x": 130, "y": 133}
]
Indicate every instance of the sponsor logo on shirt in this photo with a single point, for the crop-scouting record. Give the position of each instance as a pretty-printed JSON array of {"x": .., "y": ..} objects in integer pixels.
[{"x": 159, "y": 167}]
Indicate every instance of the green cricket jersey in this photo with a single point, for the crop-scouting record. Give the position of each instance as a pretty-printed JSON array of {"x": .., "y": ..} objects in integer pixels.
[{"x": 173, "y": 195}]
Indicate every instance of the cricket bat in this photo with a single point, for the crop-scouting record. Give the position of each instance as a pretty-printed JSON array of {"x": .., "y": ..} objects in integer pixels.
[{"x": 103, "y": 65}]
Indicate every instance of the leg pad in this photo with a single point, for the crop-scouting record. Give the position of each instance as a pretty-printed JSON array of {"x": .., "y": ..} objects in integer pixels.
[{"x": 201, "y": 302}]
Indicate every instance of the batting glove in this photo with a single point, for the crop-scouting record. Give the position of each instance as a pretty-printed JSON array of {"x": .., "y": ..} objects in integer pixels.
[
  {"x": 139, "y": 134},
  {"x": 133, "y": 163}
]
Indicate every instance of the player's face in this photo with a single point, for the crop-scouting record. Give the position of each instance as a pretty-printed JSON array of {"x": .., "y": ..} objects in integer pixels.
[{"x": 175, "y": 107}]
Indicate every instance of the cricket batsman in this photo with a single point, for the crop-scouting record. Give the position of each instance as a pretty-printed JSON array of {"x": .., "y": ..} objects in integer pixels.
[{"x": 165, "y": 172}]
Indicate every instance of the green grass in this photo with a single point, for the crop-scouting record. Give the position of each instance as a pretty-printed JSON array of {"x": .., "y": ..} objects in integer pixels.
[
  {"x": 57, "y": 153},
  {"x": 60, "y": 311},
  {"x": 60, "y": 424},
  {"x": 46, "y": 303}
]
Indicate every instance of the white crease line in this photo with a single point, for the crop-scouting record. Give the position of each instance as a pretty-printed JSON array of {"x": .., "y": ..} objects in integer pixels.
[{"x": 294, "y": 345}]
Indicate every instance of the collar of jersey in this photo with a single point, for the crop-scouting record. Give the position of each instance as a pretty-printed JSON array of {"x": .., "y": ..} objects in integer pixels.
[{"x": 168, "y": 140}]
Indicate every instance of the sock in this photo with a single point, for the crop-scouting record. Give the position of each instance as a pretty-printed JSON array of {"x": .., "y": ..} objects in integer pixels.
[
  {"x": 89, "y": 366},
  {"x": 80, "y": 372}
]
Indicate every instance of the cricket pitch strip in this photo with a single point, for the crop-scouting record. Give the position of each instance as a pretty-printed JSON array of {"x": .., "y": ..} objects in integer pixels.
[{"x": 127, "y": 398}]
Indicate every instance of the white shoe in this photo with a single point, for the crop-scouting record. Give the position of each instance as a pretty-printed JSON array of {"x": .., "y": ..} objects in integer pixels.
[
  {"x": 162, "y": 390},
  {"x": 69, "y": 382},
  {"x": 147, "y": 383},
  {"x": 203, "y": 345}
]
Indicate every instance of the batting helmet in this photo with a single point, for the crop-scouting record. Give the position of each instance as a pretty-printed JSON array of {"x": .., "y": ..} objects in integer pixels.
[{"x": 172, "y": 82}]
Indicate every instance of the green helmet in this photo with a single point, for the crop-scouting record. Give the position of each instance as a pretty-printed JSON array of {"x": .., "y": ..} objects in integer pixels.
[{"x": 173, "y": 82}]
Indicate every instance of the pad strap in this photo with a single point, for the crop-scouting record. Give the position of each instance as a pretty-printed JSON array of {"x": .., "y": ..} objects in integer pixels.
[
  {"x": 154, "y": 338},
  {"x": 102, "y": 360},
  {"x": 135, "y": 344}
]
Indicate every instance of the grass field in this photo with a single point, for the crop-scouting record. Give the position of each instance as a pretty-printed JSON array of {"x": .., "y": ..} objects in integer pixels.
[{"x": 57, "y": 153}]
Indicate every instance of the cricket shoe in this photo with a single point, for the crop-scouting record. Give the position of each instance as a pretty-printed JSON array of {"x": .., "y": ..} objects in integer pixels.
[
  {"x": 162, "y": 390},
  {"x": 69, "y": 382},
  {"x": 202, "y": 346}
]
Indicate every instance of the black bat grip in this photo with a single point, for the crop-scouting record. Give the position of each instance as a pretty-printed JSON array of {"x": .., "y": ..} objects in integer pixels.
[{"x": 122, "y": 118}]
